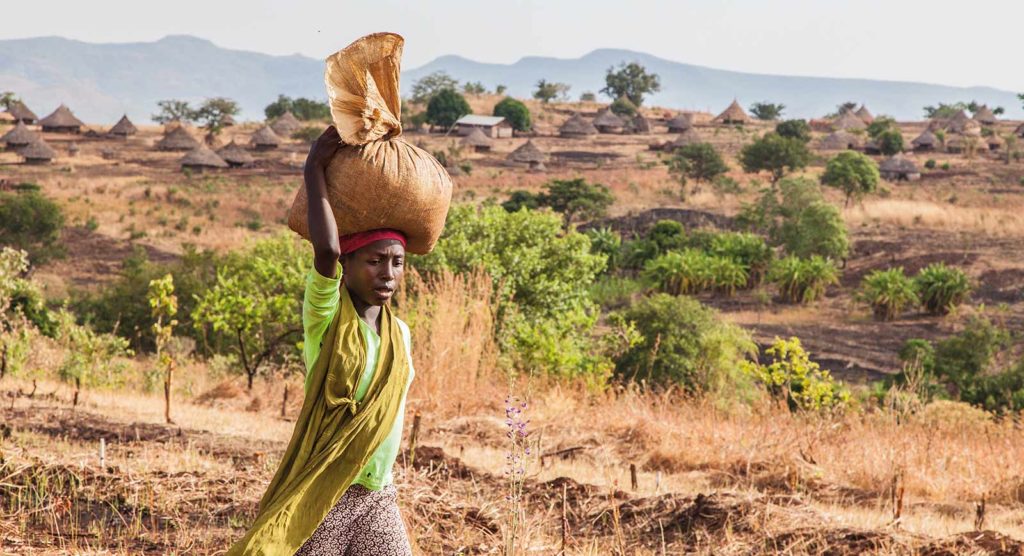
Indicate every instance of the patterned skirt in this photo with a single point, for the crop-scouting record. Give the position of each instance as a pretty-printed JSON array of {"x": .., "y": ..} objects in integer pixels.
[{"x": 364, "y": 522}]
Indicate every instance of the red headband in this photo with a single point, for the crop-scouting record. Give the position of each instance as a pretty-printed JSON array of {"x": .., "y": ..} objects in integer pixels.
[{"x": 356, "y": 241}]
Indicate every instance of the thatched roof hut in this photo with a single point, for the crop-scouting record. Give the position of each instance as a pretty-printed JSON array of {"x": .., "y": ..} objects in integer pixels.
[
  {"x": 123, "y": 128},
  {"x": 177, "y": 138},
  {"x": 639, "y": 124},
  {"x": 680, "y": 123},
  {"x": 927, "y": 141},
  {"x": 607, "y": 121},
  {"x": 7, "y": 118},
  {"x": 22, "y": 112},
  {"x": 235, "y": 155},
  {"x": 865, "y": 115},
  {"x": 985, "y": 115},
  {"x": 995, "y": 142},
  {"x": 19, "y": 136},
  {"x": 528, "y": 153},
  {"x": 899, "y": 167},
  {"x": 265, "y": 139},
  {"x": 478, "y": 140},
  {"x": 685, "y": 138},
  {"x": 841, "y": 140},
  {"x": 577, "y": 126},
  {"x": 38, "y": 152},
  {"x": 61, "y": 120},
  {"x": 286, "y": 124},
  {"x": 848, "y": 121},
  {"x": 228, "y": 120},
  {"x": 961, "y": 123},
  {"x": 734, "y": 114},
  {"x": 1020, "y": 131},
  {"x": 201, "y": 158}
]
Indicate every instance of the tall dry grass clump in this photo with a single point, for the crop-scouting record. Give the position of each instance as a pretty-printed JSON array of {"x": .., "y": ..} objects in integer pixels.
[{"x": 453, "y": 346}]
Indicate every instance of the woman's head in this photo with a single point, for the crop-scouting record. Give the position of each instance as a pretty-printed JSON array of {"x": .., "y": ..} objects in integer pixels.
[{"x": 372, "y": 264}]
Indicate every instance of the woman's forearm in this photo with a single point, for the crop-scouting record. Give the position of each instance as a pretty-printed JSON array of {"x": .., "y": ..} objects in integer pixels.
[{"x": 323, "y": 230}]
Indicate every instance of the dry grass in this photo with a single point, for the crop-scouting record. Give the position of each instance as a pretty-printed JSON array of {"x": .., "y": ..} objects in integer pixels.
[{"x": 990, "y": 221}]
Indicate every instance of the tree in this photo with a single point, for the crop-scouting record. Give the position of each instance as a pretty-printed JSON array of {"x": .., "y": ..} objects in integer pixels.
[
  {"x": 515, "y": 112},
  {"x": 632, "y": 81},
  {"x": 767, "y": 111},
  {"x": 31, "y": 221},
  {"x": 847, "y": 106},
  {"x": 890, "y": 142},
  {"x": 7, "y": 98},
  {"x": 302, "y": 108},
  {"x": 944, "y": 111},
  {"x": 252, "y": 303},
  {"x": 794, "y": 129},
  {"x": 587, "y": 96},
  {"x": 881, "y": 125},
  {"x": 546, "y": 92},
  {"x": 164, "y": 305},
  {"x": 476, "y": 88},
  {"x": 795, "y": 215},
  {"x": 500, "y": 89},
  {"x": 520, "y": 199},
  {"x": 429, "y": 85},
  {"x": 576, "y": 198},
  {"x": 173, "y": 110},
  {"x": 853, "y": 173},
  {"x": 446, "y": 107},
  {"x": 214, "y": 111},
  {"x": 698, "y": 161},
  {"x": 776, "y": 154},
  {"x": 622, "y": 106}
]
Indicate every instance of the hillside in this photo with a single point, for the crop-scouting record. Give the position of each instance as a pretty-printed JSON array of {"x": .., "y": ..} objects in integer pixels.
[{"x": 102, "y": 81}]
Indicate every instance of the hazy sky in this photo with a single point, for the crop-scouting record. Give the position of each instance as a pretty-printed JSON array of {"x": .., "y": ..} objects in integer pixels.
[{"x": 937, "y": 41}]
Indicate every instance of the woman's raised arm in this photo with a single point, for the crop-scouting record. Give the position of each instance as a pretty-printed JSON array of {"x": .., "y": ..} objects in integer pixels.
[{"x": 323, "y": 230}]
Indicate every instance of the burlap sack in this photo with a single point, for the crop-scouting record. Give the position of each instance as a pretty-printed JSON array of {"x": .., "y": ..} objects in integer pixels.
[{"x": 377, "y": 180}]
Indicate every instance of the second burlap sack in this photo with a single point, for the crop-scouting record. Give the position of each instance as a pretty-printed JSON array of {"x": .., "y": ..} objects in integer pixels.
[{"x": 377, "y": 180}]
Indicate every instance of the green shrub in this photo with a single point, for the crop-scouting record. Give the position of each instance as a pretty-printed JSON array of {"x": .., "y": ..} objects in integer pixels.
[
  {"x": 748, "y": 250},
  {"x": 32, "y": 222},
  {"x": 890, "y": 142},
  {"x": 945, "y": 166},
  {"x": 614, "y": 292},
  {"x": 90, "y": 358},
  {"x": 941, "y": 288},
  {"x": 515, "y": 112},
  {"x": 775, "y": 154},
  {"x": 679, "y": 272},
  {"x": 853, "y": 173},
  {"x": 930, "y": 164},
  {"x": 698, "y": 161},
  {"x": 307, "y": 133},
  {"x": 803, "y": 280},
  {"x": 686, "y": 344},
  {"x": 607, "y": 242},
  {"x": 574, "y": 199},
  {"x": 887, "y": 292},
  {"x": 794, "y": 129},
  {"x": 793, "y": 377},
  {"x": 622, "y": 106},
  {"x": 796, "y": 216}
]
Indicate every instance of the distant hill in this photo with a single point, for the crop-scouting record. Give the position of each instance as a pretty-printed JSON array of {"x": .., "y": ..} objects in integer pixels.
[{"x": 101, "y": 81}]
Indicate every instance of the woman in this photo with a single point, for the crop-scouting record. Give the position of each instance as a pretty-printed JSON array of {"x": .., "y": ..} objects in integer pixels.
[{"x": 333, "y": 492}]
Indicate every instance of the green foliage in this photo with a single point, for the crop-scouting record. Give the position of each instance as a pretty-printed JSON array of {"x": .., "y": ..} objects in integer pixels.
[
  {"x": 692, "y": 271},
  {"x": 794, "y": 129},
  {"x": 20, "y": 297},
  {"x": 7, "y": 98},
  {"x": 521, "y": 199},
  {"x": 173, "y": 110},
  {"x": 880, "y": 125},
  {"x": 792, "y": 377},
  {"x": 803, "y": 280},
  {"x": 622, "y": 106},
  {"x": 697, "y": 161},
  {"x": 853, "y": 173},
  {"x": 943, "y": 110},
  {"x": 887, "y": 292},
  {"x": 795, "y": 215},
  {"x": 90, "y": 358},
  {"x": 446, "y": 107},
  {"x": 548, "y": 91},
  {"x": 476, "y": 88},
  {"x": 775, "y": 154},
  {"x": 515, "y": 112},
  {"x": 252, "y": 304},
  {"x": 847, "y": 106},
  {"x": 748, "y": 250},
  {"x": 767, "y": 111},
  {"x": 32, "y": 222},
  {"x": 576, "y": 199},
  {"x": 302, "y": 108},
  {"x": 500, "y": 89},
  {"x": 615, "y": 292},
  {"x": 429, "y": 85},
  {"x": 890, "y": 142},
  {"x": 607, "y": 242},
  {"x": 684, "y": 343},
  {"x": 930, "y": 164},
  {"x": 541, "y": 273},
  {"x": 587, "y": 96},
  {"x": 631, "y": 81},
  {"x": 213, "y": 112},
  {"x": 307, "y": 134},
  {"x": 941, "y": 288}
]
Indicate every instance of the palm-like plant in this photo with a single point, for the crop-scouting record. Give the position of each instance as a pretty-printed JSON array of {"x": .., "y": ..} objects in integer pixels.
[
  {"x": 941, "y": 288},
  {"x": 803, "y": 280},
  {"x": 888, "y": 292}
]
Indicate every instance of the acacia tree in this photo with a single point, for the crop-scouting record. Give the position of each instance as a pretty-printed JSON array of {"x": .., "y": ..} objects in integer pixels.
[
  {"x": 214, "y": 112},
  {"x": 548, "y": 91},
  {"x": 576, "y": 198},
  {"x": 776, "y": 154},
  {"x": 853, "y": 173},
  {"x": 173, "y": 110},
  {"x": 253, "y": 303},
  {"x": 767, "y": 111},
  {"x": 429, "y": 85},
  {"x": 164, "y": 305},
  {"x": 698, "y": 161},
  {"x": 631, "y": 81}
]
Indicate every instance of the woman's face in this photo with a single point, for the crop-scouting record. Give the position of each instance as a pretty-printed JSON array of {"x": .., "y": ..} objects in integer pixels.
[{"x": 373, "y": 272}]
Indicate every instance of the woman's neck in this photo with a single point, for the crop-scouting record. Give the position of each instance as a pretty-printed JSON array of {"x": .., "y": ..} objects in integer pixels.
[{"x": 370, "y": 314}]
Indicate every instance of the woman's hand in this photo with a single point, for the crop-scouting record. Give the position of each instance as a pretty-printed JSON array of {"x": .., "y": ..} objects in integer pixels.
[{"x": 323, "y": 149}]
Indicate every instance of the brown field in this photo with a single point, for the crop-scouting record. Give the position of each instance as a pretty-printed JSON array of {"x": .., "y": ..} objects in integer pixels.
[{"x": 710, "y": 481}]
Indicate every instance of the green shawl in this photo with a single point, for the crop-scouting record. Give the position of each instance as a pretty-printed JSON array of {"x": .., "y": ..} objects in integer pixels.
[{"x": 334, "y": 436}]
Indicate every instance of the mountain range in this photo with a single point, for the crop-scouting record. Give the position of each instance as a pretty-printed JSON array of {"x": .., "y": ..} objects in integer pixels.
[{"x": 102, "y": 81}]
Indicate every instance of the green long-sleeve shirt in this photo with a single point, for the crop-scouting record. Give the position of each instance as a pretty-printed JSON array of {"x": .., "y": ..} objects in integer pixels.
[{"x": 320, "y": 302}]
